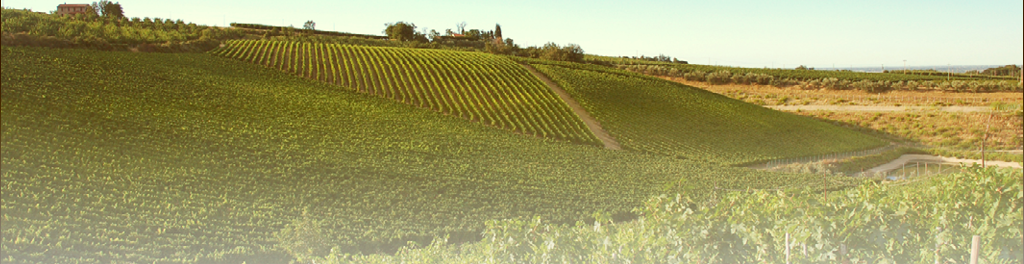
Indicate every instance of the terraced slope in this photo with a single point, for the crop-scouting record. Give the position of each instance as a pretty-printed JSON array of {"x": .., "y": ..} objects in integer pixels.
[
  {"x": 184, "y": 158},
  {"x": 475, "y": 86},
  {"x": 658, "y": 116}
]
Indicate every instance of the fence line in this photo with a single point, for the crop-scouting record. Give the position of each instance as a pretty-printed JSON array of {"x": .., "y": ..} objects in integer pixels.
[
  {"x": 833, "y": 156},
  {"x": 915, "y": 169}
]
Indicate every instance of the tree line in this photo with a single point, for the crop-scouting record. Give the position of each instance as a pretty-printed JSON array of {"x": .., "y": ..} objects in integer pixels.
[
  {"x": 109, "y": 31},
  {"x": 491, "y": 41}
]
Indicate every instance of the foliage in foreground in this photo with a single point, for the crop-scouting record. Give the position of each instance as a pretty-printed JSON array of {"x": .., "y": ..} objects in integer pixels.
[
  {"x": 876, "y": 222},
  {"x": 118, "y": 157},
  {"x": 658, "y": 116}
]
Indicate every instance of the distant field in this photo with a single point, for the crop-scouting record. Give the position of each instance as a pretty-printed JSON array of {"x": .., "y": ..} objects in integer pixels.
[
  {"x": 475, "y": 86},
  {"x": 184, "y": 158},
  {"x": 806, "y": 74},
  {"x": 841, "y": 75},
  {"x": 658, "y": 116}
]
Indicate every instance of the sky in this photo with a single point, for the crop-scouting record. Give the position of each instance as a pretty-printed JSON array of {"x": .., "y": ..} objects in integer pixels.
[{"x": 777, "y": 34}]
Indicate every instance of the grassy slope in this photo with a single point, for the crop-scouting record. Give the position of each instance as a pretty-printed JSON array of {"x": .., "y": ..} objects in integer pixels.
[
  {"x": 664, "y": 117},
  {"x": 477, "y": 86},
  {"x": 112, "y": 156}
]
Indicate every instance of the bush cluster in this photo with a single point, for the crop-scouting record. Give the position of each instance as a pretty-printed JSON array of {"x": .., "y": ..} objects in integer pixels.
[
  {"x": 26, "y": 28},
  {"x": 552, "y": 51},
  {"x": 274, "y": 30}
]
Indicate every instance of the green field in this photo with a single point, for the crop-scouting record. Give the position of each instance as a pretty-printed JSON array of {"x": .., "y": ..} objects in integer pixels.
[
  {"x": 475, "y": 86},
  {"x": 147, "y": 157},
  {"x": 658, "y": 116}
]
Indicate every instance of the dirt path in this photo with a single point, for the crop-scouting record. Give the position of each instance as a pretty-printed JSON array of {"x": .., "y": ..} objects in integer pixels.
[
  {"x": 592, "y": 124},
  {"x": 868, "y": 108},
  {"x": 910, "y": 158}
]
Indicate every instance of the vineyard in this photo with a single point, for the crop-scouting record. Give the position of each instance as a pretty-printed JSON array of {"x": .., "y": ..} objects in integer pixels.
[
  {"x": 475, "y": 86},
  {"x": 185, "y": 158},
  {"x": 658, "y": 116}
]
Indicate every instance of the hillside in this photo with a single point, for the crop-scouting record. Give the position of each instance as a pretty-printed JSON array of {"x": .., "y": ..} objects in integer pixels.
[
  {"x": 649, "y": 114},
  {"x": 145, "y": 157},
  {"x": 653, "y": 115},
  {"x": 476, "y": 86}
]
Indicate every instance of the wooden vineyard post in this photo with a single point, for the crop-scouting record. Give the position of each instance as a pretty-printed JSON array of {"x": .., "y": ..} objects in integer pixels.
[
  {"x": 787, "y": 248},
  {"x": 988, "y": 124},
  {"x": 824, "y": 178},
  {"x": 975, "y": 248},
  {"x": 842, "y": 254},
  {"x": 937, "y": 245}
]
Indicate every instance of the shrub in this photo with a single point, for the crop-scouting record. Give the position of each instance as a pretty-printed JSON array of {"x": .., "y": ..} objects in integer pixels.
[
  {"x": 944, "y": 86},
  {"x": 764, "y": 79},
  {"x": 697, "y": 76},
  {"x": 674, "y": 72},
  {"x": 912, "y": 85},
  {"x": 814, "y": 84},
  {"x": 866, "y": 85},
  {"x": 740, "y": 79},
  {"x": 829, "y": 83},
  {"x": 959, "y": 86},
  {"x": 784, "y": 82},
  {"x": 719, "y": 77}
]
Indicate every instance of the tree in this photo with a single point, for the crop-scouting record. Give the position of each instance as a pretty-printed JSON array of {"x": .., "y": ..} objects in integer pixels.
[
  {"x": 462, "y": 27},
  {"x": 573, "y": 52},
  {"x": 497, "y": 31},
  {"x": 113, "y": 10},
  {"x": 98, "y": 6},
  {"x": 108, "y": 9},
  {"x": 474, "y": 34},
  {"x": 310, "y": 25},
  {"x": 400, "y": 31},
  {"x": 434, "y": 34},
  {"x": 1008, "y": 70},
  {"x": 421, "y": 36}
]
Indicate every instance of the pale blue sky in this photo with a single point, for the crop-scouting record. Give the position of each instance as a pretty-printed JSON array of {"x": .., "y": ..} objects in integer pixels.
[{"x": 737, "y": 33}]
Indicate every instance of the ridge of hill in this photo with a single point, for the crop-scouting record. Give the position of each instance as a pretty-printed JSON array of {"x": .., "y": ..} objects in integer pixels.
[
  {"x": 481, "y": 87},
  {"x": 149, "y": 157}
]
